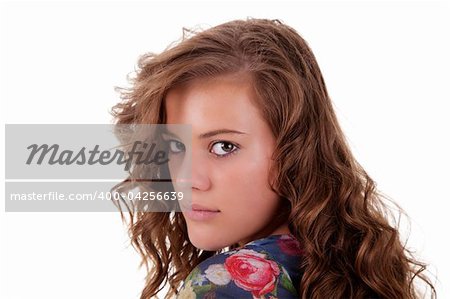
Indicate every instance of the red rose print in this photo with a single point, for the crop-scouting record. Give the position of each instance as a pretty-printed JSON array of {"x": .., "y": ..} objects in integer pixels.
[
  {"x": 252, "y": 271},
  {"x": 290, "y": 245}
]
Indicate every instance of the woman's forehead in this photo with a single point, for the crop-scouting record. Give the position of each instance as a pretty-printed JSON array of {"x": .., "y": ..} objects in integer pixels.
[
  {"x": 224, "y": 103},
  {"x": 219, "y": 99}
]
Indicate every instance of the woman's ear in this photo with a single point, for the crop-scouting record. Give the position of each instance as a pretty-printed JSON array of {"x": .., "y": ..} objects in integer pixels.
[{"x": 272, "y": 175}]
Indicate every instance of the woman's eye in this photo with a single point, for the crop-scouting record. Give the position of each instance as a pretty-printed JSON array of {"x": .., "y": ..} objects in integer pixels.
[
  {"x": 223, "y": 148},
  {"x": 176, "y": 146}
]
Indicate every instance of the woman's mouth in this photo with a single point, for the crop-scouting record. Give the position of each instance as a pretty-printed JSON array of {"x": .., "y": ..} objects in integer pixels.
[{"x": 201, "y": 213}]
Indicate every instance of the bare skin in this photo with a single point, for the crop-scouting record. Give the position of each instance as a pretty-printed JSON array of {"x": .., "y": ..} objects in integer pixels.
[{"x": 230, "y": 171}]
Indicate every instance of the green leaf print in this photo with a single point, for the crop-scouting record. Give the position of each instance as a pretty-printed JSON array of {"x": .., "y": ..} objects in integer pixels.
[
  {"x": 194, "y": 272},
  {"x": 287, "y": 284},
  {"x": 202, "y": 289}
]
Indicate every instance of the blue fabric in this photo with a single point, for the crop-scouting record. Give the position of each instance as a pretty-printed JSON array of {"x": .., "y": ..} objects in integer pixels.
[{"x": 267, "y": 268}]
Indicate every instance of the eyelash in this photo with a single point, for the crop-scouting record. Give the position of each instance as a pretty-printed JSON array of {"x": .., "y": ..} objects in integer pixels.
[{"x": 235, "y": 147}]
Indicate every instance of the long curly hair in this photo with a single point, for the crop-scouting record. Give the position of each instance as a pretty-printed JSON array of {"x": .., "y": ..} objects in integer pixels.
[{"x": 349, "y": 234}]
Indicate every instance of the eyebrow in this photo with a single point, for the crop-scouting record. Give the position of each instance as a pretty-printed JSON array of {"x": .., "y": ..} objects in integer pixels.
[{"x": 211, "y": 133}]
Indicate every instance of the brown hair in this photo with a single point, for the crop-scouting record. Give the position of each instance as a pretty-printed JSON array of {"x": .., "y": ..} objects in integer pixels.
[{"x": 352, "y": 250}]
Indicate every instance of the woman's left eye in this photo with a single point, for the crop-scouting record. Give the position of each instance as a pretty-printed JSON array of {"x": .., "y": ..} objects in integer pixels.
[{"x": 223, "y": 148}]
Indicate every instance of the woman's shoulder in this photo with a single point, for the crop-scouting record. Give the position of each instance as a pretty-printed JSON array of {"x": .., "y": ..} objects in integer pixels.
[{"x": 264, "y": 268}]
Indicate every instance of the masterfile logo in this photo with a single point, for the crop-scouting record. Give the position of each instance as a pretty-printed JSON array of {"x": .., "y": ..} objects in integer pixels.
[{"x": 73, "y": 167}]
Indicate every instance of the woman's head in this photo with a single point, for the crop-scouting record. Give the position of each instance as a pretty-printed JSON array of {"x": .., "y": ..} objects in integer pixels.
[
  {"x": 231, "y": 151},
  {"x": 294, "y": 169},
  {"x": 274, "y": 73}
]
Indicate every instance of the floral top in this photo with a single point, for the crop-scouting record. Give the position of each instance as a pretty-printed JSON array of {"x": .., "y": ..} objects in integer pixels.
[{"x": 267, "y": 268}]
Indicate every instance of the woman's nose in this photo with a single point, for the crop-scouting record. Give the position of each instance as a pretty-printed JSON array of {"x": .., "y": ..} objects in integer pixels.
[
  {"x": 199, "y": 171},
  {"x": 193, "y": 172}
]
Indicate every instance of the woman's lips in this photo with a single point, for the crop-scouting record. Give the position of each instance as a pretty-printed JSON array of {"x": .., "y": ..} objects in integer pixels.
[
  {"x": 201, "y": 213},
  {"x": 198, "y": 207}
]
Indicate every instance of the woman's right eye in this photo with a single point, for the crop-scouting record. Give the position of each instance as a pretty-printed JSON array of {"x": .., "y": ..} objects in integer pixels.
[{"x": 175, "y": 146}]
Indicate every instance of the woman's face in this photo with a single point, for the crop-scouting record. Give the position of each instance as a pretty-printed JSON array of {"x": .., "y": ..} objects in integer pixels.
[{"x": 231, "y": 150}]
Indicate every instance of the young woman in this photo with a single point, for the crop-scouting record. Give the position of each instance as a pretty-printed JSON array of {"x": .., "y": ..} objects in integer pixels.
[{"x": 281, "y": 208}]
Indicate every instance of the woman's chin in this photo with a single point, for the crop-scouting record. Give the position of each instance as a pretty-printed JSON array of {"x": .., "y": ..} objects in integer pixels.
[{"x": 206, "y": 242}]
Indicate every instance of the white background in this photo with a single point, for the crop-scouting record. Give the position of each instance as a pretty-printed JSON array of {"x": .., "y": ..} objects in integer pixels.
[{"x": 385, "y": 65}]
